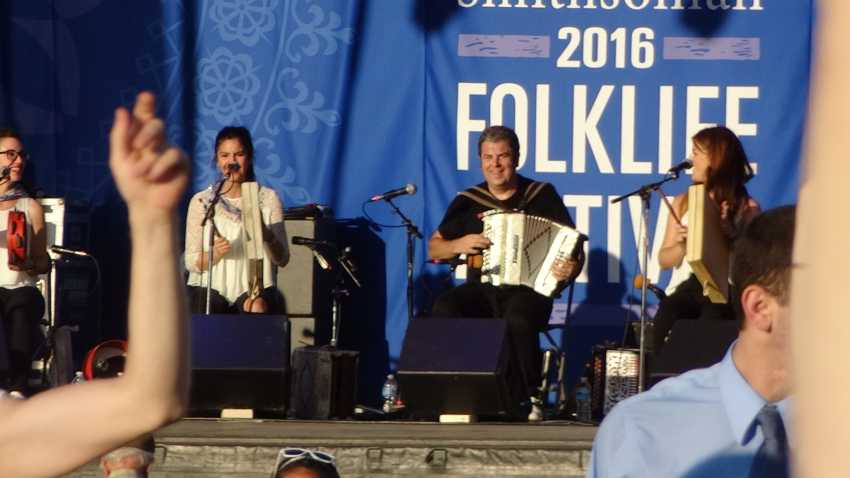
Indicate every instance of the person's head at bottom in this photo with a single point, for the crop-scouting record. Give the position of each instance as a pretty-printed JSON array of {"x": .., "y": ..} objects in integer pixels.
[{"x": 301, "y": 463}]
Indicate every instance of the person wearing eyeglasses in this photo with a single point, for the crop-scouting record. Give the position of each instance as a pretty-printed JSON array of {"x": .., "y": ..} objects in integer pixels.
[
  {"x": 23, "y": 258},
  {"x": 301, "y": 463},
  {"x": 61, "y": 429}
]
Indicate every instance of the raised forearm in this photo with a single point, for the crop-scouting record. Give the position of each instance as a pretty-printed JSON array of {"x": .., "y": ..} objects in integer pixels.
[{"x": 157, "y": 360}]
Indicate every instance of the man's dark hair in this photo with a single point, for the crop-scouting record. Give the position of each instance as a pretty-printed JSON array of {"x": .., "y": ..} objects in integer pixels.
[
  {"x": 10, "y": 133},
  {"x": 324, "y": 470},
  {"x": 494, "y": 134},
  {"x": 762, "y": 256}
]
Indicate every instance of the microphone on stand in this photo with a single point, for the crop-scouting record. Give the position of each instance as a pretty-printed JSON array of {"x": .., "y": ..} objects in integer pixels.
[
  {"x": 408, "y": 189},
  {"x": 638, "y": 283},
  {"x": 63, "y": 250},
  {"x": 313, "y": 244},
  {"x": 686, "y": 164},
  {"x": 323, "y": 263}
]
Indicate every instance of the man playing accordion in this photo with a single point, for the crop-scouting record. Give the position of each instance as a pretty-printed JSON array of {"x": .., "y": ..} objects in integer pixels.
[{"x": 460, "y": 232}]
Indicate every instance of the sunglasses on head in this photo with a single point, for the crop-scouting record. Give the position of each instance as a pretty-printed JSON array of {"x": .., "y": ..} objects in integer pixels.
[{"x": 288, "y": 455}]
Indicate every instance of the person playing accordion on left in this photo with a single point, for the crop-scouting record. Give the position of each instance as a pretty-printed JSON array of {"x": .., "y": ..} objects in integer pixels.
[{"x": 24, "y": 257}]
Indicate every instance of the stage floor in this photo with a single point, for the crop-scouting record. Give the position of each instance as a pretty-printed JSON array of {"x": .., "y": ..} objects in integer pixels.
[{"x": 247, "y": 448}]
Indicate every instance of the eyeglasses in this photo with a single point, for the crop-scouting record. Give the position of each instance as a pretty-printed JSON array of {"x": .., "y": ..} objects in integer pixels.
[
  {"x": 12, "y": 154},
  {"x": 288, "y": 455}
]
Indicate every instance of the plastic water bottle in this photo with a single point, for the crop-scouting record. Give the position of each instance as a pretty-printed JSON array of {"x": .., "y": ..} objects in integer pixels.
[
  {"x": 389, "y": 393},
  {"x": 583, "y": 413}
]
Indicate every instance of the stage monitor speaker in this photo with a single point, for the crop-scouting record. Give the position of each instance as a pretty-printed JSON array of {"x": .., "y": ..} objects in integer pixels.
[
  {"x": 240, "y": 361},
  {"x": 324, "y": 383},
  {"x": 693, "y": 344},
  {"x": 302, "y": 282},
  {"x": 459, "y": 366}
]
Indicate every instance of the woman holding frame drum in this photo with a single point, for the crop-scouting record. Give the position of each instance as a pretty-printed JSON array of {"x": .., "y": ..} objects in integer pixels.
[
  {"x": 231, "y": 281},
  {"x": 719, "y": 162}
]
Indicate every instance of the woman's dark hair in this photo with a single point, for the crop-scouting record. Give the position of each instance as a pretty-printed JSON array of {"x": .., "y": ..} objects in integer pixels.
[
  {"x": 729, "y": 169},
  {"x": 244, "y": 136}
]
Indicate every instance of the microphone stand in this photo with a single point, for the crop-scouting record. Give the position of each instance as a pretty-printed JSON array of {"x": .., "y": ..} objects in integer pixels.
[
  {"x": 412, "y": 234},
  {"x": 645, "y": 192},
  {"x": 339, "y": 291},
  {"x": 209, "y": 214},
  {"x": 341, "y": 257}
]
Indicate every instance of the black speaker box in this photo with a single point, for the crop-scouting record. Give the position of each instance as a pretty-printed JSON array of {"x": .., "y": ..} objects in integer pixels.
[
  {"x": 458, "y": 366},
  {"x": 305, "y": 287},
  {"x": 240, "y": 361},
  {"x": 693, "y": 344},
  {"x": 324, "y": 383}
]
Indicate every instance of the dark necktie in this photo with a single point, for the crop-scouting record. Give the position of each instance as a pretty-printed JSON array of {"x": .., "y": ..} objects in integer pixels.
[{"x": 771, "y": 459}]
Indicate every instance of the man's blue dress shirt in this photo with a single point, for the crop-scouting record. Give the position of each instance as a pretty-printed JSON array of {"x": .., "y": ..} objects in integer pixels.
[{"x": 699, "y": 424}]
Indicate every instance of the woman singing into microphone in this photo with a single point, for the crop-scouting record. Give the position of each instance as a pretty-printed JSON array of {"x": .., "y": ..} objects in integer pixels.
[
  {"x": 721, "y": 163},
  {"x": 234, "y": 154},
  {"x": 24, "y": 257}
]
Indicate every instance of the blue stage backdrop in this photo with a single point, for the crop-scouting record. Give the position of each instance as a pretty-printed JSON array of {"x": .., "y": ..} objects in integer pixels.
[{"x": 347, "y": 99}]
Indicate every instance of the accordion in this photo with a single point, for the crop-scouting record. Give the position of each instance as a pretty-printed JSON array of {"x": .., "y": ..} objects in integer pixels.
[{"x": 524, "y": 248}]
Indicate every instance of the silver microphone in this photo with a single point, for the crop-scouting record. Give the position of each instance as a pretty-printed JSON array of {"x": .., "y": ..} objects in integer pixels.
[
  {"x": 408, "y": 189},
  {"x": 323, "y": 263},
  {"x": 63, "y": 250}
]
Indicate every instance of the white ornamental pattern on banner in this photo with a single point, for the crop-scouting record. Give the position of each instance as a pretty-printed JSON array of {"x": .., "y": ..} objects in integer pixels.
[{"x": 259, "y": 64}]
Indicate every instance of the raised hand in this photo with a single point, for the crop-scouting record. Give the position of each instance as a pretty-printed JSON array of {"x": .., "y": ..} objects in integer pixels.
[{"x": 151, "y": 175}]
